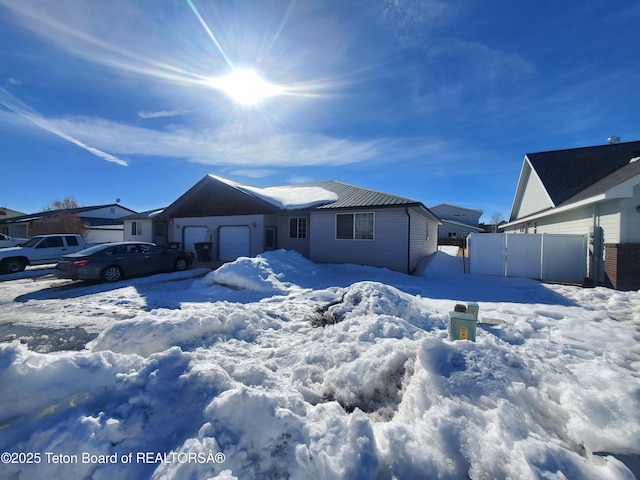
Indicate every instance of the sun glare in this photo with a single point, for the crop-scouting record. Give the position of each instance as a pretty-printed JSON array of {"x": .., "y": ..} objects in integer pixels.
[{"x": 246, "y": 87}]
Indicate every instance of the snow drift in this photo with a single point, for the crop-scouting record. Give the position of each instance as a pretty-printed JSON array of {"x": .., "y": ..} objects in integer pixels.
[{"x": 549, "y": 390}]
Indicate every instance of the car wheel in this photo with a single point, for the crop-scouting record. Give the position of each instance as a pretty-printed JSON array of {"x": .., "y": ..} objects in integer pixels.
[
  {"x": 181, "y": 264},
  {"x": 13, "y": 265},
  {"x": 112, "y": 274}
]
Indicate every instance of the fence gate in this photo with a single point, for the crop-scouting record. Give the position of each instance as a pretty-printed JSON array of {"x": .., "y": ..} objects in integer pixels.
[{"x": 547, "y": 257}]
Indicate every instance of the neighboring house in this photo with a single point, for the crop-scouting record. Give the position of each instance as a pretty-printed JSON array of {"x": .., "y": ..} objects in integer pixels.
[
  {"x": 104, "y": 221},
  {"x": 457, "y": 222},
  {"x": 146, "y": 227},
  {"x": 6, "y": 213},
  {"x": 594, "y": 191},
  {"x": 327, "y": 222}
]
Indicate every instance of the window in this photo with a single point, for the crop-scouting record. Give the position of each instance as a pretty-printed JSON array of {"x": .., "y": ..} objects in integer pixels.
[
  {"x": 136, "y": 228},
  {"x": 154, "y": 249},
  {"x": 72, "y": 241},
  {"x": 298, "y": 227},
  {"x": 51, "y": 242},
  {"x": 452, "y": 234},
  {"x": 358, "y": 226}
]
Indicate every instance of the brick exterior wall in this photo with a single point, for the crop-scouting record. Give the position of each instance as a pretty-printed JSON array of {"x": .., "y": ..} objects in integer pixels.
[{"x": 622, "y": 266}]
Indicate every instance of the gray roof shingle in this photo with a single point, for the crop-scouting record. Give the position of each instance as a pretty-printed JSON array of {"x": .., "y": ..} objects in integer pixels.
[{"x": 570, "y": 174}]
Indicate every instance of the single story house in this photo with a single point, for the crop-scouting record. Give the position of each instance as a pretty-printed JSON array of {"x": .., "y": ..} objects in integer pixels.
[
  {"x": 104, "y": 221},
  {"x": 593, "y": 191},
  {"x": 327, "y": 222},
  {"x": 457, "y": 222}
]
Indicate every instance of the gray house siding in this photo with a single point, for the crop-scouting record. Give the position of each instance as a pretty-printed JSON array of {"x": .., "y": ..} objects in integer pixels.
[
  {"x": 283, "y": 240},
  {"x": 389, "y": 247},
  {"x": 423, "y": 238},
  {"x": 143, "y": 229}
]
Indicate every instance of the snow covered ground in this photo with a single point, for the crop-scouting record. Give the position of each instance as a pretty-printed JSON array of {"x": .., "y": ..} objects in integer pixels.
[{"x": 275, "y": 367}]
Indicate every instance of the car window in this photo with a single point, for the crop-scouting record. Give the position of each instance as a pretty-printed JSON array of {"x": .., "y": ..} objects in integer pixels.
[
  {"x": 3, "y": 237},
  {"x": 51, "y": 242},
  {"x": 92, "y": 250},
  {"x": 124, "y": 250},
  {"x": 150, "y": 249},
  {"x": 72, "y": 241},
  {"x": 31, "y": 242}
]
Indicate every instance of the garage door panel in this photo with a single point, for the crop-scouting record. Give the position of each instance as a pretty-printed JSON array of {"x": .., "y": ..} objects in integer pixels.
[
  {"x": 192, "y": 235},
  {"x": 234, "y": 241}
]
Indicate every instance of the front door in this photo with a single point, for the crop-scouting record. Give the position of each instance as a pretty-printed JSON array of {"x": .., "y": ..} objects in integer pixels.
[
  {"x": 160, "y": 233},
  {"x": 270, "y": 238}
]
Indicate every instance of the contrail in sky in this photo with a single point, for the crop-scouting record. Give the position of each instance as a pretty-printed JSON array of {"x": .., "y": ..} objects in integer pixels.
[{"x": 26, "y": 112}]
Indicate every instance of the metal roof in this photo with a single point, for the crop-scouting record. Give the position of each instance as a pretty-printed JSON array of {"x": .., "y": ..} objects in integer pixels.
[
  {"x": 79, "y": 211},
  {"x": 350, "y": 196}
]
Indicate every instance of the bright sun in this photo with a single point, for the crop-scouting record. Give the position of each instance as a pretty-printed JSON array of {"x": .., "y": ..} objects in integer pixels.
[{"x": 246, "y": 87}]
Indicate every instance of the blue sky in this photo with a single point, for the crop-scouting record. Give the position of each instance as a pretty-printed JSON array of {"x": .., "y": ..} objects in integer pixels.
[{"x": 433, "y": 100}]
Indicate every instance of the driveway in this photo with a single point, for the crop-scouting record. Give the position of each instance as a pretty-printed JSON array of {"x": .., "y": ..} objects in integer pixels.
[{"x": 50, "y": 314}]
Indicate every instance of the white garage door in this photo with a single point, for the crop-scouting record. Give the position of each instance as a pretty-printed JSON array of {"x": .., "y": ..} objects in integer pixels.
[
  {"x": 191, "y": 235},
  {"x": 234, "y": 242}
]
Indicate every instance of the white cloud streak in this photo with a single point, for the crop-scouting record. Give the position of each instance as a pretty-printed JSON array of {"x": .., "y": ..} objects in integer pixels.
[
  {"x": 244, "y": 150},
  {"x": 161, "y": 114},
  {"x": 27, "y": 113}
]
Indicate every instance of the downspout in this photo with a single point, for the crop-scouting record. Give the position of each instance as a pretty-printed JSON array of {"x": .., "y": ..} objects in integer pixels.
[
  {"x": 597, "y": 246},
  {"x": 408, "y": 240}
]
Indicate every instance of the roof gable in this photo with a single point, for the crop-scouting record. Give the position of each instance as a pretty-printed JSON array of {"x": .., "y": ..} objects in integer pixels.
[
  {"x": 531, "y": 195},
  {"x": 566, "y": 173},
  {"x": 213, "y": 196}
]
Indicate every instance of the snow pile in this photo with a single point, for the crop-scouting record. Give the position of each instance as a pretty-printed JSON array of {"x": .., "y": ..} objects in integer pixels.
[
  {"x": 273, "y": 272},
  {"x": 324, "y": 379}
]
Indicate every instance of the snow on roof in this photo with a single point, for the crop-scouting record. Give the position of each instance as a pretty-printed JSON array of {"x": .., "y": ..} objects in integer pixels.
[{"x": 290, "y": 197}]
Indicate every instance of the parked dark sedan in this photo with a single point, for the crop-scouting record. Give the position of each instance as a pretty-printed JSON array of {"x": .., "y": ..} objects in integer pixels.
[{"x": 112, "y": 261}]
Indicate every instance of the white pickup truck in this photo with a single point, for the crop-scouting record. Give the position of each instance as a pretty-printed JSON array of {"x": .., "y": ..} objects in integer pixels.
[
  {"x": 7, "y": 241},
  {"x": 39, "y": 250}
]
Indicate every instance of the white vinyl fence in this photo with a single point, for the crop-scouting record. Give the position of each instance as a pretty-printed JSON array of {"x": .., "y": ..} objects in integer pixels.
[{"x": 547, "y": 257}]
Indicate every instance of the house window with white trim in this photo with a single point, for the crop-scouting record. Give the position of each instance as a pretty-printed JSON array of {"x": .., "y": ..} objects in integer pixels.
[
  {"x": 298, "y": 227},
  {"x": 136, "y": 228},
  {"x": 355, "y": 226}
]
